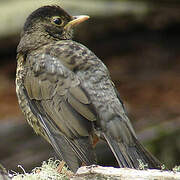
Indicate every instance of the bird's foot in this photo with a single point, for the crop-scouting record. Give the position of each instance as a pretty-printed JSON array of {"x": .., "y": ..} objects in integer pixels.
[{"x": 60, "y": 166}]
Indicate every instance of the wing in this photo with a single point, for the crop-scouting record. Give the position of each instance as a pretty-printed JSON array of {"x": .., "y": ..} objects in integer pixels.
[{"x": 62, "y": 107}]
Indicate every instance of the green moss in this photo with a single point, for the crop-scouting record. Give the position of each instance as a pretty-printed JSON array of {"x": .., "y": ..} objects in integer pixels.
[
  {"x": 142, "y": 166},
  {"x": 48, "y": 171},
  {"x": 176, "y": 169}
]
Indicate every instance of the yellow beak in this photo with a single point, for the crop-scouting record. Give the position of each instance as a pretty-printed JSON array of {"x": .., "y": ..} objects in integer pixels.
[{"x": 76, "y": 20}]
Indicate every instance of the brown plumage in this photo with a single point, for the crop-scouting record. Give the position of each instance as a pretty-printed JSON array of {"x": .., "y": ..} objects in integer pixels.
[{"x": 67, "y": 96}]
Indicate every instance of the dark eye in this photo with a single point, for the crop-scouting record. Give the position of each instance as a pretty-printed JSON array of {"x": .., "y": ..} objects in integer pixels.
[{"x": 57, "y": 20}]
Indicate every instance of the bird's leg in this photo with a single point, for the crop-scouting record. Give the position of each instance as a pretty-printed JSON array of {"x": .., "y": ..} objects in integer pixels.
[
  {"x": 95, "y": 140},
  {"x": 60, "y": 166}
]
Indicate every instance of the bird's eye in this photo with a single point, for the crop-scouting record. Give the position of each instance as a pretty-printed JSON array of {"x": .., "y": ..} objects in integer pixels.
[{"x": 57, "y": 20}]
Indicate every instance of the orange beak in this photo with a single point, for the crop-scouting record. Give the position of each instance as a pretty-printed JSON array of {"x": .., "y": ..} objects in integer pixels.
[{"x": 76, "y": 20}]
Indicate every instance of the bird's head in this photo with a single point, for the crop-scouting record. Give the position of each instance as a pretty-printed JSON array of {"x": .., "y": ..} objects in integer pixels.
[{"x": 48, "y": 23}]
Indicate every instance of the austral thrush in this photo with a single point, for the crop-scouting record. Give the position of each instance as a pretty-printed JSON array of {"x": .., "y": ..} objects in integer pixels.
[{"x": 67, "y": 96}]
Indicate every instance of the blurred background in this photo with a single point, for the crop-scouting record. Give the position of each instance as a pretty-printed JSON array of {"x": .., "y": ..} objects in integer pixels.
[{"x": 138, "y": 40}]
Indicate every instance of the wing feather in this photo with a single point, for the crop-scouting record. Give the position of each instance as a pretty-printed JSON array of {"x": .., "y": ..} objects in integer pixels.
[
  {"x": 63, "y": 108},
  {"x": 81, "y": 108}
]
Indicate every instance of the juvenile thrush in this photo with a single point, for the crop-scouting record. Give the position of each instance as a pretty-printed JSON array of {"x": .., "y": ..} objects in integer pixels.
[{"x": 67, "y": 96}]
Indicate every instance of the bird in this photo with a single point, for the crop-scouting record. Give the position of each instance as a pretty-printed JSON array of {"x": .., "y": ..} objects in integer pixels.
[{"x": 67, "y": 96}]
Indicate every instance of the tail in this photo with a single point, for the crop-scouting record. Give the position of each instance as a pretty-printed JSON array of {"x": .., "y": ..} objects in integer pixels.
[
  {"x": 127, "y": 150},
  {"x": 130, "y": 156}
]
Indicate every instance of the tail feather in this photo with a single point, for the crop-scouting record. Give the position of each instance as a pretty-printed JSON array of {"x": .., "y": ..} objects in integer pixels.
[
  {"x": 130, "y": 155},
  {"x": 65, "y": 152},
  {"x": 146, "y": 156},
  {"x": 84, "y": 150}
]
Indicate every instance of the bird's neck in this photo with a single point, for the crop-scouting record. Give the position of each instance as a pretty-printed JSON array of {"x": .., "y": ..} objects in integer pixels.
[{"x": 33, "y": 41}]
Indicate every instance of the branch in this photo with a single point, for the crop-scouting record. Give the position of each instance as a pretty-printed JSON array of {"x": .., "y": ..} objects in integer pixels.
[
  {"x": 50, "y": 170},
  {"x": 103, "y": 173}
]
